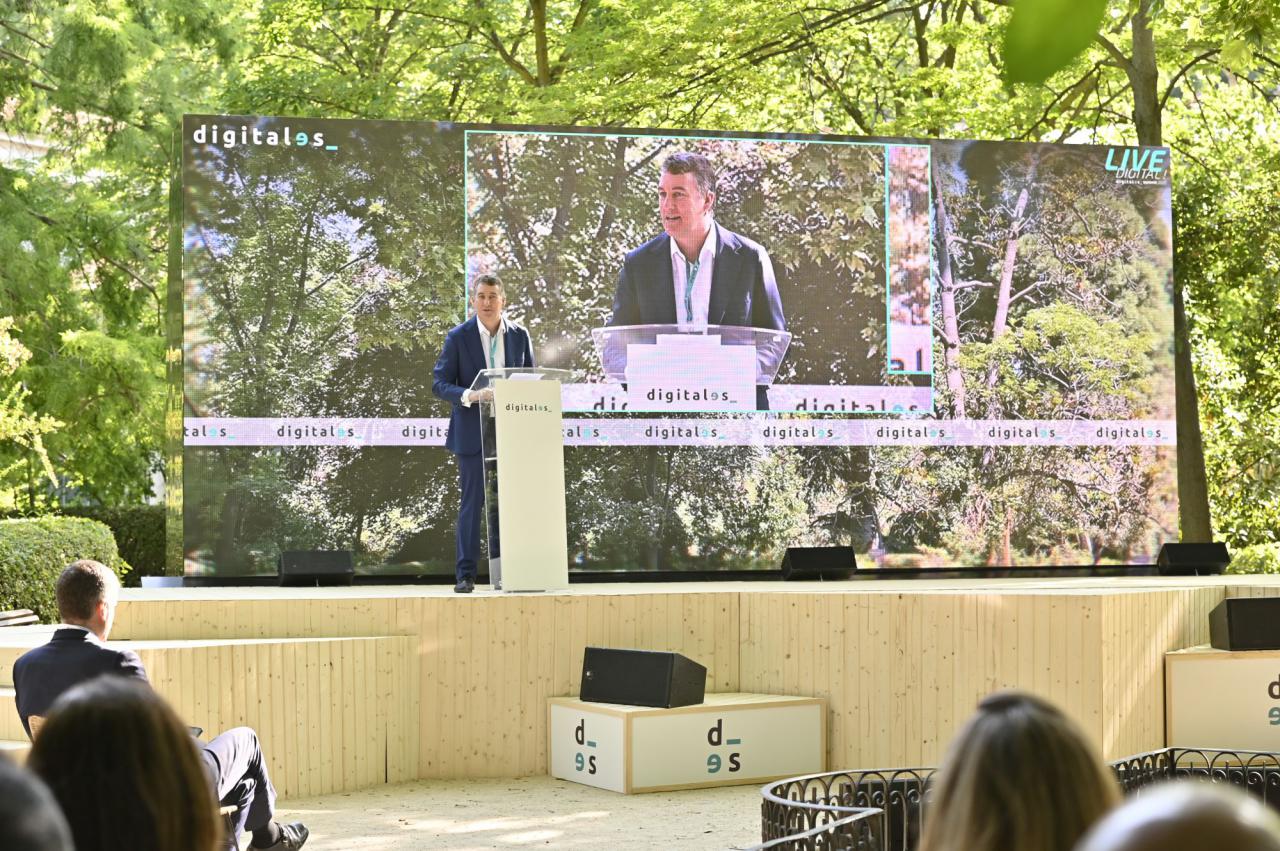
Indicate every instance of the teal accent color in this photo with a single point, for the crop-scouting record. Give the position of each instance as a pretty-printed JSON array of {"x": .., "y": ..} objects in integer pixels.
[
  {"x": 690, "y": 275},
  {"x": 493, "y": 348}
]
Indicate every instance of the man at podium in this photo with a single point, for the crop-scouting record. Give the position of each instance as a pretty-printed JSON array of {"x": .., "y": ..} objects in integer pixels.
[
  {"x": 696, "y": 273},
  {"x": 488, "y": 340}
]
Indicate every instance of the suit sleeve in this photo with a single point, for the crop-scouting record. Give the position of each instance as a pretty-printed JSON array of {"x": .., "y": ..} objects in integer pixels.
[
  {"x": 766, "y": 304},
  {"x": 131, "y": 667},
  {"x": 445, "y": 374},
  {"x": 528, "y": 348}
]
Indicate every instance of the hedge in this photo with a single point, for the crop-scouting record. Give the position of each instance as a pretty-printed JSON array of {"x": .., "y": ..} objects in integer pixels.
[
  {"x": 33, "y": 553},
  {"x": 1259, "y": 558},
  {"x": 139, "y": 531}
]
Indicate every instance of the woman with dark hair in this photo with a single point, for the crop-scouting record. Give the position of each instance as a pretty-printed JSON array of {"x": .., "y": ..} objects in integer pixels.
[
  {"x": 125, "y": 770},
  {"x": 1020, "y": 776}
]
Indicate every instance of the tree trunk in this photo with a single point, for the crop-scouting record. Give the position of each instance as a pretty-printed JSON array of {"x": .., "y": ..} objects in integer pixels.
[
  {"x": 947, "y": 293},
  {"x": 1193, "y": 487}
]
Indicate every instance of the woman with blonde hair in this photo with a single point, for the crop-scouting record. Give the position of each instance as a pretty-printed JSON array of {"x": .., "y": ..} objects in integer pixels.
[
  {"x": 1020, "y": 776},
  {"x": 125, "y": 770}
]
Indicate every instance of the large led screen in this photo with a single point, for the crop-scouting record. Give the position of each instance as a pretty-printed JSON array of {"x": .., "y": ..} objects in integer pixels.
[{"x": 950, "y": 353}]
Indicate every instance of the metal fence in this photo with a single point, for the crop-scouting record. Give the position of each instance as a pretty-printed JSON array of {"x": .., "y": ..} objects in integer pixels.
[
  {"x": 884, "y": 809},
  {"x": 1256, "y": 772}
]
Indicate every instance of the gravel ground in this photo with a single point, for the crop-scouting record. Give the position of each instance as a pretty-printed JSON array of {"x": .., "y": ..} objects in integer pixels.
[{"x": 532, "y": 812}]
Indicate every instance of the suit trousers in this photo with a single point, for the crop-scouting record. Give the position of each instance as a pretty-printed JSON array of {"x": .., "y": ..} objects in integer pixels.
[
  {"x": 235, "y": 765},
  {"x": 470, "y": 510}
]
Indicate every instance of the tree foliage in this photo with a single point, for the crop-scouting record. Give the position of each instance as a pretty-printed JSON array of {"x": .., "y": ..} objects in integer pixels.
[{"x": 82, "y": 230}]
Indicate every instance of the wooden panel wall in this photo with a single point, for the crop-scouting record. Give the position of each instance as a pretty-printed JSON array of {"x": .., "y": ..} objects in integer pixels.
[
  {"x": 1138, "y": 629},
  {"x": 331, "y": 714},
  {"x": 486, "y": 665},
  {"x": 903, "y": 671},
  {"x": 901, "y": 668}
]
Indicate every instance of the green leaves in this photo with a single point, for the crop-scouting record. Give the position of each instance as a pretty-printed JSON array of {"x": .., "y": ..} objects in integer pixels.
[{"x": 1043, "y": 36}]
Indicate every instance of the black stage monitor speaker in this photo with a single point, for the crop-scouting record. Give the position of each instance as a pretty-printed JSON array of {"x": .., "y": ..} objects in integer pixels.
[
  {"x": 316, "y": 567},
  {"x": 805, "y": 563},
  {"x": 641, "y": 678},
  {"x": 1192, "y": 559},
  {"x": 1245, "y": 623}
]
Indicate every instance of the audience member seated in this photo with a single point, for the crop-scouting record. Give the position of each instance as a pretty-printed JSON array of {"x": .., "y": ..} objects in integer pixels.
[
  {"x": 87, "y": 593},
  {"x": 29, "y": 816},
  {"x": 125, "y": 770},
  {"x": 1187, "y": 815},
  {"x": 1019, "y": 776}
]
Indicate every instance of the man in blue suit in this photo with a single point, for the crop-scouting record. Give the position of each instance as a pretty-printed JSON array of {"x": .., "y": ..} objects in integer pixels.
[
  {"x": 487, "y": 340},
  {"x": 696, "y": 273},
  {"x": 87, "y": 593}
]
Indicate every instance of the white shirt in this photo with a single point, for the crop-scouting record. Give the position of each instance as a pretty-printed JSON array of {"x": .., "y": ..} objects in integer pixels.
[
  {"x": 92, "y": 636},
  {"x": 499, "y": 351},
  {"x": 701, "y": 296}
]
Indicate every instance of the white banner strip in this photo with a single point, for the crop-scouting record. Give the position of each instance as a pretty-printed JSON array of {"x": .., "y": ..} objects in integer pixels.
[{"x": 755, "y": 430}]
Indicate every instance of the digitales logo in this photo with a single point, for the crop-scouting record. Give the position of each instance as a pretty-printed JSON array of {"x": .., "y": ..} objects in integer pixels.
[
  {"x": 1138, "y": 166},
  {"x": 229, "y": 136},
  {"x": 717, "y": 740},
  {"x": 582, "y": 760}
]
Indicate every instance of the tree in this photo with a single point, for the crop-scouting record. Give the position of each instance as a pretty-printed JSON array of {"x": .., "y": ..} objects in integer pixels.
[{"x": 83, "y": 228}]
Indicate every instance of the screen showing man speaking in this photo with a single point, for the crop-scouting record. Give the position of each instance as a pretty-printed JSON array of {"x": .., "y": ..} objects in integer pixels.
[{"x": 942, "y": 352}]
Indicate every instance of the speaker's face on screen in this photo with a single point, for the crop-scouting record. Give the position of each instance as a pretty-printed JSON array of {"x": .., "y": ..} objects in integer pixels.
[
  {"x": 685, "y": 210},
  {"x": 488, "y": 302}
]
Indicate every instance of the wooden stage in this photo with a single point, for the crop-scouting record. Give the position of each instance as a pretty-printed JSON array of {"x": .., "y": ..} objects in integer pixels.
[{"x": 351, "y": 687}]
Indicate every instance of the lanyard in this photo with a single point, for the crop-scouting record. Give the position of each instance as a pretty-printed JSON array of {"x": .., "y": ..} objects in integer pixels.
[{"x": 691, "y": 275}]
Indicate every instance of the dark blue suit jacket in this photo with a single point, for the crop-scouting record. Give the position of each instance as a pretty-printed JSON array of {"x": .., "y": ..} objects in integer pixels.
[
  {"x": 73, "y": 656},
  {"x": 461, "y": 360},
  {"x": 744, "y": 291}
]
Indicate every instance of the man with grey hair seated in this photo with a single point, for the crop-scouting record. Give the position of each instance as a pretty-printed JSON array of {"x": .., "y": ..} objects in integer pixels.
[
  {"x": 29, "y": 816},
  {"x": 1187, "y": 816}
]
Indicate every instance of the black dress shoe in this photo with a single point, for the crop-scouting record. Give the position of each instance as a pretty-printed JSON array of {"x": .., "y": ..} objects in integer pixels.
[
  {"x": 464, "y": 586},
  {"x": 292, "y": 837}
]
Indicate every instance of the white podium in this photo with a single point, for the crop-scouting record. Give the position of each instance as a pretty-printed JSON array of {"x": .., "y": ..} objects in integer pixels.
[{"x": 522, "y": 441}]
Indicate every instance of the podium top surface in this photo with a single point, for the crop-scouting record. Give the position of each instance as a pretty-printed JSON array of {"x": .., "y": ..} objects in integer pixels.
[
  {"x": 486, "y": 377},
  {"x": 718, "y": 702},
  {"x": 616, "y": 345}
]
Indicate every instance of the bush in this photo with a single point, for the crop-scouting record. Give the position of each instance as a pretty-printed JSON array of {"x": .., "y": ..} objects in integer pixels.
[
  {"x": 139, "y": 534},
  {"x": 1259, "y": 558},
  {"x": 139, "y": 531},
  {"x": 34, "y": 552}
]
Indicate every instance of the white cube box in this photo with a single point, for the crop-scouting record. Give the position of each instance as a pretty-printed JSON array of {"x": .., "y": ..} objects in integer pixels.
[
  {"x": 1222, "y": 699},
  {"x": 727, "y": 740}
]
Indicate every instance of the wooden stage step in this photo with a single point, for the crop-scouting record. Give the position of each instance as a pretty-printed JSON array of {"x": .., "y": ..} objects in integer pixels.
[
  {"x": 333, "y": 714},
  {"x": 15, "y": 750},
  {"x": 10, "y": 724}
]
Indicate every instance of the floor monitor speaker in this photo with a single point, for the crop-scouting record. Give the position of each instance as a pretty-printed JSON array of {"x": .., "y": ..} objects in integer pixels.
[
  {"x": 808, "y": 563},
  {"x": 641, "y": 678},
  {"x": 1192, "y": 559},
  {"x": 1245, "y": 623},
  {"x": 316, "y": 567}
]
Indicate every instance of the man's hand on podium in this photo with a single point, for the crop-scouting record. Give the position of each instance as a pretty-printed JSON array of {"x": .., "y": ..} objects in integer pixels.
[{"x": 485, "y": 395}]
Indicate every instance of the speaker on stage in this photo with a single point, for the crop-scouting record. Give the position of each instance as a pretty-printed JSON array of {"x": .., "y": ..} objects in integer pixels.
[
  {"x": 1192, "y": 559},
  {"x": 316, "y": 567},
  {"x": 641, "y": 678},
  {"x": 1245, "y": 623},
  {"x": 808, "y": 563}
]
